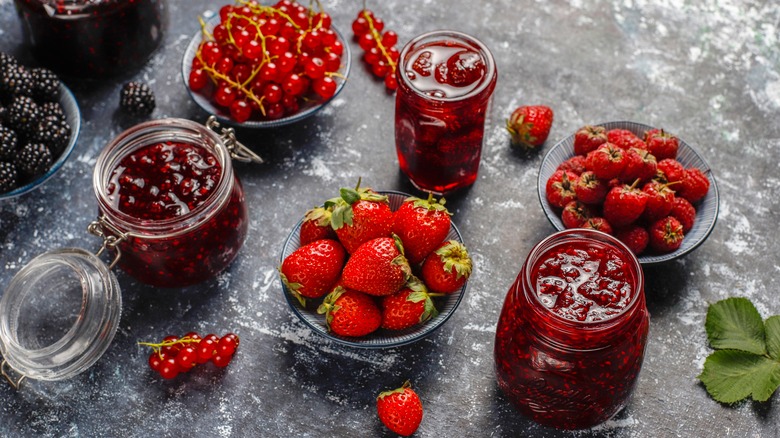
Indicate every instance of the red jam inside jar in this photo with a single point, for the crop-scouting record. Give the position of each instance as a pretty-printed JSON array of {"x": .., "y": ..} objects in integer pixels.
[
  {"x": 92, "y": 38},
  {"x": 445, "y": 82},
  {"x": 571, "y": 336},
  {"x": 169, "y": 187}
]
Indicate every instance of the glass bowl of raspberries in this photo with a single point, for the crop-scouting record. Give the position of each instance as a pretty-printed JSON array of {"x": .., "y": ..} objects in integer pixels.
[
  {"x": 642, "y": 184},
  {"x": 373, "y": 269},
  {"x": 263, "y": 66},
  {"x": 39, "y": 125}
]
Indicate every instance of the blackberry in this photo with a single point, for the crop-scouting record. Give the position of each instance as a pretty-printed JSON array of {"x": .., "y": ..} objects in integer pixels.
[
  {"x": 23, "y": 116},
  {"x": 52, "y": 109},
  {"x": 137, "y": 98},
  {"x": 33, "y": 159},
  {"x": 7, "y": 143},
  {"x": 6, "y": 60},
  {"x": 8, "y": 177},
  {"x": 54, "y": 133},
  {"x": 45, "y": 85},
  {"x": 15, "y": 80}
]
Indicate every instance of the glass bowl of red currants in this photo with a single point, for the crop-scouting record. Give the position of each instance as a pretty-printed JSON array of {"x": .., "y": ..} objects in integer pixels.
[
  {"x": 642, "y": 184},
  {"x": 382, "y": 337},
  {"x": 261, "y": 66}
]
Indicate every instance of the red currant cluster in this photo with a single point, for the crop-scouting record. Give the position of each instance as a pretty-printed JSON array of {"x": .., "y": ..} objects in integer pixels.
[
  {"x": 176, "y": 355},
  {"x": 380, "y": 52},
  {"x": 267, "y": 61}
]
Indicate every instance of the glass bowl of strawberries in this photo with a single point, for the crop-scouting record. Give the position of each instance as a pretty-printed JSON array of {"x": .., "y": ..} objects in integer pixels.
[
  {"x": 642, "y": 184},
  {"x": 375, "y": 269},
  {"x": 263, "y": 66}
]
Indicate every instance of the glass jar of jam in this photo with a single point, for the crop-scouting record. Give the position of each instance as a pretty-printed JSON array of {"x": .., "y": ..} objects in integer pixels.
[
  {"x": 92, "y": 38},
  {"x": 445, "y": 81},
  {"x": 170, "y": 204},
  {"x": 571, "y": 336}
]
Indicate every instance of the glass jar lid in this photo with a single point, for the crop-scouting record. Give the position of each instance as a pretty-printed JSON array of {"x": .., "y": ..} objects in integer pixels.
[{"x": 58, "y": 315}]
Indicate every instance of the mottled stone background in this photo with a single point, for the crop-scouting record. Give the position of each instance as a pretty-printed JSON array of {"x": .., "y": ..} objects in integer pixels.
[{"x": 707, "y": 70}]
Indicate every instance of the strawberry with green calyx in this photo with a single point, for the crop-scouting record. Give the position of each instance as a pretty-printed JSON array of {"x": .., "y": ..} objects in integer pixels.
[
  {"x": 666, "y": 235},
  {"x": 421, "y": 225},
  {"x": 560, "y": 188},
  {"x": 530, "y": 125},
  {"x": 575, "y": 214},
  {"x": 360, "y": 215},
  {"x": 316, "y": 225},
  {"x": 589, "y": 189},
  {"x": 447, "y": 269},
  {"x": 312, "y": 270},
  {"x": 378, "y": 267},
  {"x": 350, "y": 313},
  {"x": 408, "y": 307},
  {"x": 400, "y": 409}
]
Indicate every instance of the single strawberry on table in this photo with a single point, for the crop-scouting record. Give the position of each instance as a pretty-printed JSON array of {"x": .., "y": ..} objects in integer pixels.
[
  {"x": 447, "y": 269},
  {"x": 359, "y": 215},
  {"x": 400, "y": 409},
  {"x": 408, "y": 307},
  {"x": 316, "y": 226},
  {"x": 350, "y": 313},
  {"x": 378, "y": 267},
  {"x": 530, "y": 125},
  {"x": 312, "y": 270},
  {"x": 421, "y": 225}
]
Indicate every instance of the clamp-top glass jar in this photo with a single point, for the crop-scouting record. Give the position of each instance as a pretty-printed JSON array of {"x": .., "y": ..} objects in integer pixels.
[
  {"x": 170, "y": 202},
  {"x": 571, "y": 336}
]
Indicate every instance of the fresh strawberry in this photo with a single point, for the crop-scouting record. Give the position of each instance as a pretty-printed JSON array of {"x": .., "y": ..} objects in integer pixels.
[
  {"x": 598, "y": 223},
  {"x": 377, "y": 268},
  {"x": 530, "y": 125},
  {"x": 606, "y": 162},
  {"x": 640, "y": 164},
  {"x": 661, "y": 144},
  {"x": 360, "y": 215},
  {"x": 590, "y": 189},
  {"x": 410, "y": 306},
  {"x": 575, "y": 214},
  {"x": 350, "y": 313},
  {"x": 666, "y": 235},
  {"x": 400, "y": 410},
  {"x": 623, "y": 205},
  {"x": 670, "y": 170},
  {"x": 312, "y": 270},
  {"x": 625, "y": 139},
  {"x": 316, "y": 226},
  {"x": 560, "y": 188},
  {"x": 660, "y": 199},
  {"x": 422, "y": 225},
  {"x": 694, "y": 185},
  {"x": 635, "y": 237},
  {"x": 575, "y": 164},
  {"x": 447, "y": 269},
  {"x": 683, "y": 211},
  {"x": 589, "y": 138}
]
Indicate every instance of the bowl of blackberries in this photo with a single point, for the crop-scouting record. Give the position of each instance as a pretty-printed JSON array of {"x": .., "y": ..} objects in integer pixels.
[{"x": 39, "y": 125}]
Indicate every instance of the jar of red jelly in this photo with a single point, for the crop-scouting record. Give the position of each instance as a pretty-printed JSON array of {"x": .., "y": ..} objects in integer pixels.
[
  {"x": 170, "y": 204},
  {"x": 92, "y": 38},
  {"x": 571, "y": 336},
  {"x": 445, "y": 82}
]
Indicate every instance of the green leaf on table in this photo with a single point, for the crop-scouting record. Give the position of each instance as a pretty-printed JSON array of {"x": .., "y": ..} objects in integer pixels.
[
  {"x": 773, "y": 336},
  {"x": 734, "y": 323},
  {"x": 731, "y": 375}
]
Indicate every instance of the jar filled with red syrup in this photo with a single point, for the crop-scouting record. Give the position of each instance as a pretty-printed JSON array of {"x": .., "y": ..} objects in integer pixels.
[
  {"x": 92, "y": 38},
  {"x": 170, "y": 203},
  {"x": 571, "y": 336}
]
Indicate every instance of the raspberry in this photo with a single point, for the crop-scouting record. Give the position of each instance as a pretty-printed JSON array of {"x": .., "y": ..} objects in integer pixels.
[
  {"x": 694, "y": 185},
  {"x": 8, "y": 177},
  {"x": 8, "y": 143},
  {"x": 45, "y": 85},
  {"x": 34, "y": 159},
  {"x": 635, "y": 237},
  {"x": 23, "y": 116},
  {"x": 684, "y": 212},
  {"x": 137, "y": 98},
  {"x": 53, "y": 132},
  {"x": 666, "y": 235}
]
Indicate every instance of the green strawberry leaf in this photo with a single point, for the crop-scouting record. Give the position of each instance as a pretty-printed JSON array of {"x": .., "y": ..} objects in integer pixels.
[
  {"x": 342, "y": 214},
  {"x": 430, "y": 310},
  {"x": 350, "y": 196},
  {"x": 731, "y": 375},
  {"x": 734, "y": 323},
  {"x": 773, "y": 336}
]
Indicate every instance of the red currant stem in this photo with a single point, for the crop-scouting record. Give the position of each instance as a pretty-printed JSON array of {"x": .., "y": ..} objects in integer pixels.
[
  {"x": 248, "y": 91},
  {"x": 206, "y": 34},
  {"x": 336, "y": 74},
  {"x": 203, "y": 67},
  {"x": 259, "y": 9},
  {"x": 378, "y": 39}
]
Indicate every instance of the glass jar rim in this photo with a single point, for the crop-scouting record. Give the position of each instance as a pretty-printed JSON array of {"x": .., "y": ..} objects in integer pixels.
[
  {"x": 147, "y": 133},
  {"x": 490, "y": 63},
  {"x": 590, "y": 234}
]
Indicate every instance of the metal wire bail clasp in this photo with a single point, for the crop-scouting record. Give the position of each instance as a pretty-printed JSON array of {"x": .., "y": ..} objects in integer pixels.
[
  {"x": 238, "y": 151},
  {"x": 111, "y": 238},
  {"x": 4, "y": 371}
]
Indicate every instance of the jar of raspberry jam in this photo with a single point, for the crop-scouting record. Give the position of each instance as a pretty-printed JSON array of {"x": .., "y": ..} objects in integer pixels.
[
  {"x": 170, "y": 204},
  {"x": 92, "y": 38},
  {"x": 571, "y": 336}
]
